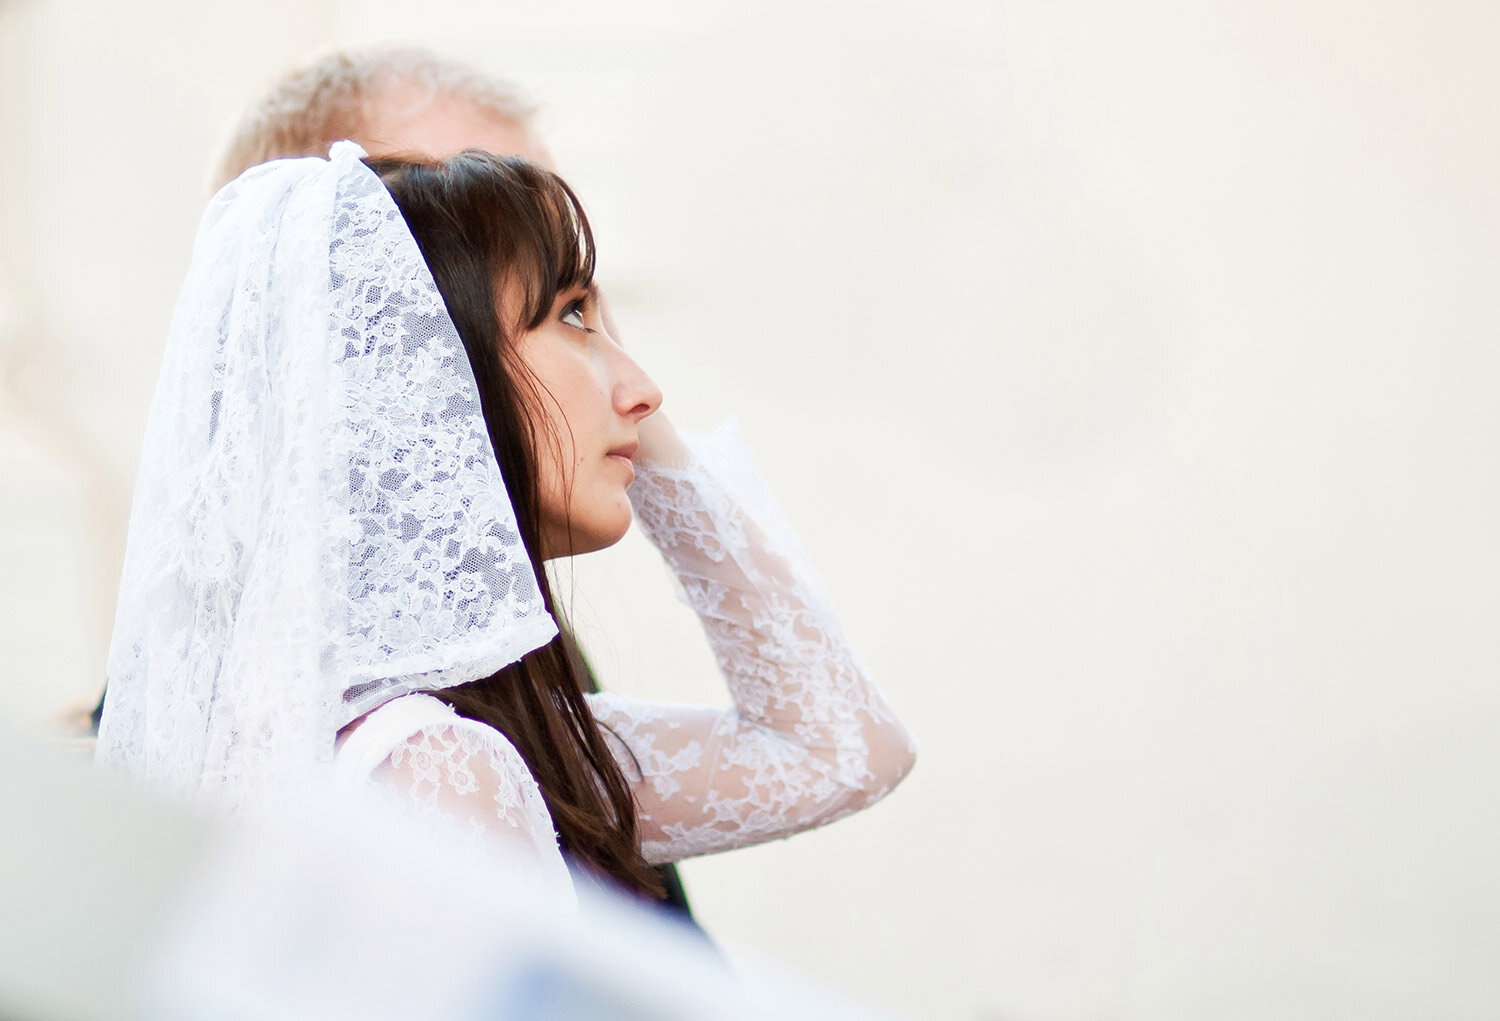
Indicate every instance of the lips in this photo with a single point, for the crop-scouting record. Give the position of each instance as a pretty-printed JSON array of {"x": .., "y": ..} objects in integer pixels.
[{"x": 625, "y": 454}]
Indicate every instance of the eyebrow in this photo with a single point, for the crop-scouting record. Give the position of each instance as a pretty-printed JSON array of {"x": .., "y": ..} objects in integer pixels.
[{"x": 590, "y": 294}]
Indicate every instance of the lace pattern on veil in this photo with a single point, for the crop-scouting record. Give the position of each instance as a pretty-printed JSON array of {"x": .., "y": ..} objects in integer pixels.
[{"x": 319, "y": 522}]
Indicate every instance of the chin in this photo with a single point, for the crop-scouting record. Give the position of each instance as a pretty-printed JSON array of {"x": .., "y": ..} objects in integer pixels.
[
  {"x": 594, "y": 532},
  {"x": 594, "y": 541}
]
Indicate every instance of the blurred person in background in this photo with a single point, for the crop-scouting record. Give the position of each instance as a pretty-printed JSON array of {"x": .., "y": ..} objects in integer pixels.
[
  {"x": 389, "y": 99},
  {"x": 412, "y": 688}
]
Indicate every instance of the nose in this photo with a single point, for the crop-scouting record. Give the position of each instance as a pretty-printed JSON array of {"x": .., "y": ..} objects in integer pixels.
[{"x": 635, "y": 395}]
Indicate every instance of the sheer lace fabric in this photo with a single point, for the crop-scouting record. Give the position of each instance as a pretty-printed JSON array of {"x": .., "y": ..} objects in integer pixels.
[
  {"x": 319, "y": 522},
  {"x": 459, "y": 776},
  {"x": 808, "y": 740}
]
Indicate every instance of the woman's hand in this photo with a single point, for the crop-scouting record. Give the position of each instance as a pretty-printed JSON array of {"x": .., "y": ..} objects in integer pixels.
[{"x": 661, "y": 444}]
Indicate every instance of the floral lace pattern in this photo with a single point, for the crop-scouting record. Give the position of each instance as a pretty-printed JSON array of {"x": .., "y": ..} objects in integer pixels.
[
  {"x": 809, "y": 738},
  {"x": 459, "y": 776},
  {"x": 433, "y": 556},
  {"x": 319, "y": 522}
]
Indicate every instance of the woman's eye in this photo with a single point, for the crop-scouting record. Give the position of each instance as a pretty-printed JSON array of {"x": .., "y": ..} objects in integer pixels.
[{"x": 573, "y": 315}]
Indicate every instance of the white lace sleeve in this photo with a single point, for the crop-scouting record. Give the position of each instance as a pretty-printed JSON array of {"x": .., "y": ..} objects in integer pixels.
[
  {"x": 459, "y": 775},
  {"x": 809, "y": 738}
]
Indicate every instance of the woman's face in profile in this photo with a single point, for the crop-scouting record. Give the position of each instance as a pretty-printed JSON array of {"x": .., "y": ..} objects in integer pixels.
[{"x": 593, "y": 396}]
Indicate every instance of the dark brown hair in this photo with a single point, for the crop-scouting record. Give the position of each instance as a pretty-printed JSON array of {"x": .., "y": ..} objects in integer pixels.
[{"x": 503, "y": 238}]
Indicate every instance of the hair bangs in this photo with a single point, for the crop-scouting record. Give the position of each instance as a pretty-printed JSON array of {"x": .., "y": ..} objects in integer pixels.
[{"x": 552, "y": 255}]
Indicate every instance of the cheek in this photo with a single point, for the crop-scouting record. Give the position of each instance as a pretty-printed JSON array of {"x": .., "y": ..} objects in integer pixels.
[
  {"x": 563, "y": 440},
  {"x": 557, "y": 464},
  {"x": 581, "y": 408},
  {"x": 575, "y": 408}
]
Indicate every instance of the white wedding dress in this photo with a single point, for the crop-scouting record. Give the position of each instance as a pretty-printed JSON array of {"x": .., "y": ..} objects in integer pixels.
[{"x": 808, "y": 740}]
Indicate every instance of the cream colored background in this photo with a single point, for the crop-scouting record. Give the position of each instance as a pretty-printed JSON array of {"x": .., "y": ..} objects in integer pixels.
[{"x": 1130, "y": 370}]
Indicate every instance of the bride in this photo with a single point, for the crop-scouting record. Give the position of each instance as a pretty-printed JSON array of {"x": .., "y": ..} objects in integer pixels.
[{"x": 388, "y": 396}]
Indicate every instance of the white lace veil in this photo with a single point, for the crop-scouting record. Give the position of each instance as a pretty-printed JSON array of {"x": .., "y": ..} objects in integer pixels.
[{"x": 319, "y": 523}]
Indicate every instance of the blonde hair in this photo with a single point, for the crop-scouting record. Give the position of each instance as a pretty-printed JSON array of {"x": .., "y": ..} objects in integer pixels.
[{"x": 311, "y": 107}]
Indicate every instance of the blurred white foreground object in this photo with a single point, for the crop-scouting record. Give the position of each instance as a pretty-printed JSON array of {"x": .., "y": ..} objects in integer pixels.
[{"x": 118, "y": 905}]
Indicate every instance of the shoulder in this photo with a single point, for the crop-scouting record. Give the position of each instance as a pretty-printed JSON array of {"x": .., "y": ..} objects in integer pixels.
[
  {"x": 457, "y": 774},
  {"x": 417, "y": 725}
]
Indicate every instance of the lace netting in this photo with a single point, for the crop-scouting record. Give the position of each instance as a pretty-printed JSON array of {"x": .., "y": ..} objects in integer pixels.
[{"x": 319, "y": 523}]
